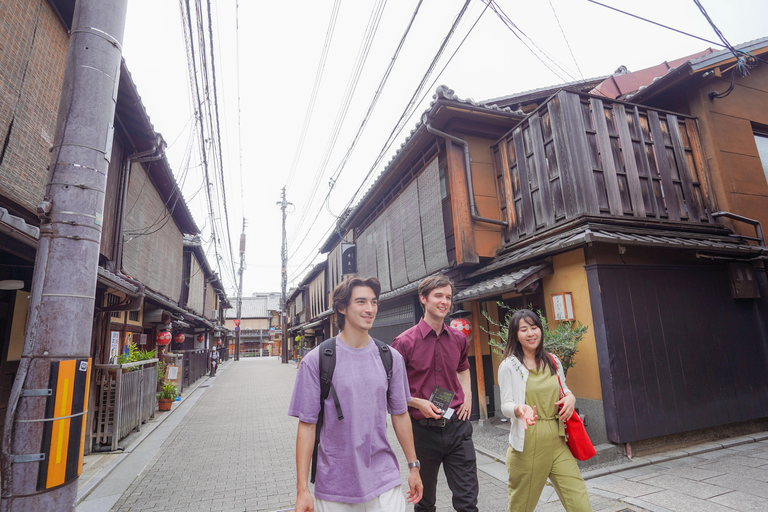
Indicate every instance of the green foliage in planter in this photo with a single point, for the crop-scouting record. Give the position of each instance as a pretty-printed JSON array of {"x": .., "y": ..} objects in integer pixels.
[
  {"x": 169, "y": 392},
  {"x": 134, "y": 354},
  {"x": 562, "y": 341}
]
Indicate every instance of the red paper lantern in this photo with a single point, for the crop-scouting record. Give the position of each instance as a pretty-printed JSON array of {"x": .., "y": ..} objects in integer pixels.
[
  {"x": 163, "y": 338},
  {"x": 462, "y": 325},
  {"x": 179, "y": 338},
  {"x": 200, "y": 338}
]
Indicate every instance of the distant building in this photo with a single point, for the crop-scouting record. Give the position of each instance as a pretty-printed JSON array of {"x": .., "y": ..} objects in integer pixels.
[{"x": 260, "y": 327}]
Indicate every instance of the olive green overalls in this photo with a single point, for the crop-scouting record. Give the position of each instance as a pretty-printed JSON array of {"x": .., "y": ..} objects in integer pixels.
[{"x": 545, "y": 453}]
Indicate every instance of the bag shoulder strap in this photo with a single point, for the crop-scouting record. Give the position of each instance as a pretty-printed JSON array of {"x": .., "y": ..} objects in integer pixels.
[
  {"x": 327, "y": 366},
  {"x": 554, "y": 361}
]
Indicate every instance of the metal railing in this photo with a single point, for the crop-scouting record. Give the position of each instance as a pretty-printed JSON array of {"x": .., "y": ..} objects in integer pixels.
[{"x": 125, "y": 398}]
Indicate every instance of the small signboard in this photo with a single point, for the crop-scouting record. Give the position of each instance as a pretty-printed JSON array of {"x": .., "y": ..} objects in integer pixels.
[
  {"x": 172, "y": 374},
  {"x": 114, "y": 345},
  {"x": 143, "y": 339}
]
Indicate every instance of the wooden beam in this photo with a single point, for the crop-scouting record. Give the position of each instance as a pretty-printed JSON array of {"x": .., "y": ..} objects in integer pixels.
[
  {"x": 463, "y": 233},
  {"x": 479, "y": 372}
]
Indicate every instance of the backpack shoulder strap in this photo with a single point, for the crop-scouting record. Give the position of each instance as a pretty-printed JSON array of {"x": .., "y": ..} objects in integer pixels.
[
  {"x": 386, "y": 358},
  {"x": 327, "y": 365}
]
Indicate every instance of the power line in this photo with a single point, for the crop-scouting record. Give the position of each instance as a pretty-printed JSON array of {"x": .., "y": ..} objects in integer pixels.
[
  {"x": 371, "y": 106},
  {"x": 656, "y": 23},
  {"x": 406, "y": 114},
  {"x": 315, "y": 88},
  {"x": 567, "y": 43},
  {"x": 362, "y": 56}
]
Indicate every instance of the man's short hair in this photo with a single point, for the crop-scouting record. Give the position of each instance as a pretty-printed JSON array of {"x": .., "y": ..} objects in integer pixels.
[
  {"x": 432, "y": 282},
  {"x": 342, "y": 294}
]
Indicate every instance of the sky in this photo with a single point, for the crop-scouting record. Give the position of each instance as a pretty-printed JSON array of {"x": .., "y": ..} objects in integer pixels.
[{"x": 267, "y": 59}]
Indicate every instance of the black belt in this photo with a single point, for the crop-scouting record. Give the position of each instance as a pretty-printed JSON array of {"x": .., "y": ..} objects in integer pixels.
[{"x": 440, "y": 423}]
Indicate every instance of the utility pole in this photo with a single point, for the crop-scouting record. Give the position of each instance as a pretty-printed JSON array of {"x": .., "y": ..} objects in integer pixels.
[
  {"x": 240, "y": 293},
  {"x": 41, "y": 459},
  {"x": 284, "y": 281}
]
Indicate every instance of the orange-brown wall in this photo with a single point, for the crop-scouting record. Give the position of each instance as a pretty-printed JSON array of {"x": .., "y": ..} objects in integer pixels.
[
  {"x": 570, "y": 276},
  {"x": 739, "y": 182}
]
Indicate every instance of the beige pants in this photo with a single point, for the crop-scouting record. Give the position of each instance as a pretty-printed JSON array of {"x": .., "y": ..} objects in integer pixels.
[
  {"x": 545, "y": 455},
  {"x": 390, "y": 501}
]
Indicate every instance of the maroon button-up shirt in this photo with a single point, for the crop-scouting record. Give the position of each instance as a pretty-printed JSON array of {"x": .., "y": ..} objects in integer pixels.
[{"x": 432, "y": 360}]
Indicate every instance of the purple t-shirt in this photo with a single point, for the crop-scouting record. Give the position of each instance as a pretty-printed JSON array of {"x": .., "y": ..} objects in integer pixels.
[{"x": 355, "y": 462}]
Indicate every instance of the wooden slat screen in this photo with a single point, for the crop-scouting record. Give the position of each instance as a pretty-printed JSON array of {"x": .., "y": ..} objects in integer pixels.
[{"x": 579, "y": 154}]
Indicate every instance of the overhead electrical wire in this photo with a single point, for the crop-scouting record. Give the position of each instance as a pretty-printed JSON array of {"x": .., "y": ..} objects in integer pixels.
[
  {"x": 315, "y": 88},
  {"x": 362, "y": 56},
  {"x": 407, "y": 112},
  {"x": 519, "y": 34},
  {"x": 371, "y": 106},
  {"x": 567, "y": 43}
]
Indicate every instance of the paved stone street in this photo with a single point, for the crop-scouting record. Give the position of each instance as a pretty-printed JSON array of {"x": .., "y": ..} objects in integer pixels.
[{"x": 229, "y": 446}]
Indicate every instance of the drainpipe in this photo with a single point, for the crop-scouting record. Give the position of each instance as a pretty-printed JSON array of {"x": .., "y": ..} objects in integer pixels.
[
  {"x": 755, "y": 223},
  {"x": 150, "y": 155},
  {"x": 473, "y": 211}
]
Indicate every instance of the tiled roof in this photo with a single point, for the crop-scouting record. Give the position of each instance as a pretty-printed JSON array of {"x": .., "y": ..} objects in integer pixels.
[
  {"x": 630, "y": 236},
  {"x": 18, "y": 228},
  {"x": 500, "y": 284}
]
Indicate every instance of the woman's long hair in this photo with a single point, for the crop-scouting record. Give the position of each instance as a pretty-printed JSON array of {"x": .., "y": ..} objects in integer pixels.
[{"x": 515, "y": 348}]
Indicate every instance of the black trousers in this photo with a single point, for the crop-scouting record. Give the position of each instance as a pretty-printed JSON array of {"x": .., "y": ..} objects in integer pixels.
[{"x": 452, "y": 447}]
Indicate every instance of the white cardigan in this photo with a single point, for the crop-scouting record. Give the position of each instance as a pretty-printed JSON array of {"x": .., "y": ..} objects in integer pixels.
[{"x": 513, "y": 376}]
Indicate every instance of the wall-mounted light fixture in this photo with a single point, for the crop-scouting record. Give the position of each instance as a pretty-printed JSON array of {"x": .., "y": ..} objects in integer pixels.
[{"x": 11, "y": 284}]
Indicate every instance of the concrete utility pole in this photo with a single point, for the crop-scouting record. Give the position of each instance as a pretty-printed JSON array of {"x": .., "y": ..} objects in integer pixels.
[
  {"x": 42, "y": 459},
  {"x": 240, "y": 293},
  {"x": 284, "y": 281}
]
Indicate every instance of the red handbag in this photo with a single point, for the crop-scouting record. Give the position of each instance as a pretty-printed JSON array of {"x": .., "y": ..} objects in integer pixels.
[{"x": 575, "y": 434}]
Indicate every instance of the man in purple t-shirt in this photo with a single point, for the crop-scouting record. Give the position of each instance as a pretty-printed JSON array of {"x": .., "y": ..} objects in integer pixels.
[
  {"x": 356, "y": 467},
  {"x": 436, "y": 355}
]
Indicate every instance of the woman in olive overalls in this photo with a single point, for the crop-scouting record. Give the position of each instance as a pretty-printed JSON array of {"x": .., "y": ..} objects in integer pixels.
[{"x": 530, "y": 395}]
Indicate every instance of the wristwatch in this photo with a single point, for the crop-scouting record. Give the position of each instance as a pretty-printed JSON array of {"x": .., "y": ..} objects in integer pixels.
[{"x": 414, "y": 464}]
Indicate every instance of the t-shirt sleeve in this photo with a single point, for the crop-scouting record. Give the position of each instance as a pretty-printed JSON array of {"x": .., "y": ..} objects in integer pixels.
[
  {"x": 399, "y": 392},
  {"x": 305, "y": 401},
  {"x": 464, "y": 358}
]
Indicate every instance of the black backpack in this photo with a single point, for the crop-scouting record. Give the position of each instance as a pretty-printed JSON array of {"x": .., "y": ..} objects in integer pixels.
[{"x": 327, "y": 365}]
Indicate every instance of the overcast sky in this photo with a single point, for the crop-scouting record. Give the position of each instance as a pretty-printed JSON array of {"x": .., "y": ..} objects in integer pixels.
[{"x": 280, "y": 46}]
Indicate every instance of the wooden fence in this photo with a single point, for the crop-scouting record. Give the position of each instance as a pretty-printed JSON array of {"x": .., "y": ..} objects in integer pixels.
[{"x": 125, "y": 398}]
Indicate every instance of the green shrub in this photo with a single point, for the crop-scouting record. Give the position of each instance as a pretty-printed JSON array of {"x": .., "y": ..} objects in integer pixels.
[
  {"x": 562, "y": 341},
  {"x": 169, "y": 392}
]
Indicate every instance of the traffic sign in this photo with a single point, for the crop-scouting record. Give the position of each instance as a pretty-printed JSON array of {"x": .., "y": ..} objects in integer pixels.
[{"x": 237, "y": 321}]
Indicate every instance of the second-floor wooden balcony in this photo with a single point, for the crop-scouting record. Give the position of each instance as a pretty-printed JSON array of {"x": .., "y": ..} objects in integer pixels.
[{"x": 580, "y": 156}]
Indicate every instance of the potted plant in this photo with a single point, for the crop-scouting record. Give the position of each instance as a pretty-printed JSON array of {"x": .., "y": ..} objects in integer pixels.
[{"x": 166, "y": 396}]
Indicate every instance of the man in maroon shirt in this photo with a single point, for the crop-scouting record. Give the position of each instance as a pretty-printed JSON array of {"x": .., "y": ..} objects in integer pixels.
[{"x": 436, "y": 355}]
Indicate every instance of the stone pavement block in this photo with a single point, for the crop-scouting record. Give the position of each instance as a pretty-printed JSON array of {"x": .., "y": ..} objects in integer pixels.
[
  {"x": 692, "y": 473},
  {"x": 740, "y": 483},
  {"x": 629, "y": 488},
  {"x": 685, "y": 486},
  {"x": 638, "y": 473},
  {"x": 733, "y": 441},
  {"x": 680, "y": 503},
  {"x": 717, "y": 454},
  {"x": 676, "y": 463},
  {"x": 652, "y": 507},
  {"x": 759, "y": 474},
  {"x": 741, "y": 501}
]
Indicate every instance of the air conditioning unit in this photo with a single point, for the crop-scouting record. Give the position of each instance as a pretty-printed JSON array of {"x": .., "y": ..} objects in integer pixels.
[{"x": 214, "y": 313}]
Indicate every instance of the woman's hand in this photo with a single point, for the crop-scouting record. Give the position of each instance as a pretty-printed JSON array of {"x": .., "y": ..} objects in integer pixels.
[
  {"x": 567, "y": 405},
  {"x": 527, "y": 414}
]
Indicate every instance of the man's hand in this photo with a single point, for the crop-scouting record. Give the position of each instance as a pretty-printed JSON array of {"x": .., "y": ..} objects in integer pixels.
[
  {"x": 304, "y": 502},
  {"x": 427, "y": 408},
  {"x": 465, "y": 409},
  {"x": 415, "y": 486}
]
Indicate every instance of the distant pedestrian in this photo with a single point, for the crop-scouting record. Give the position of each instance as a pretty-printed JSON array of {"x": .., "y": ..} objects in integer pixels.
[
  {"x": 436, "y": 356},
  {"x": 530, "y": 395},
  {"x": 357, "y": 470},
  {"x": 214, "y": 360}
]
